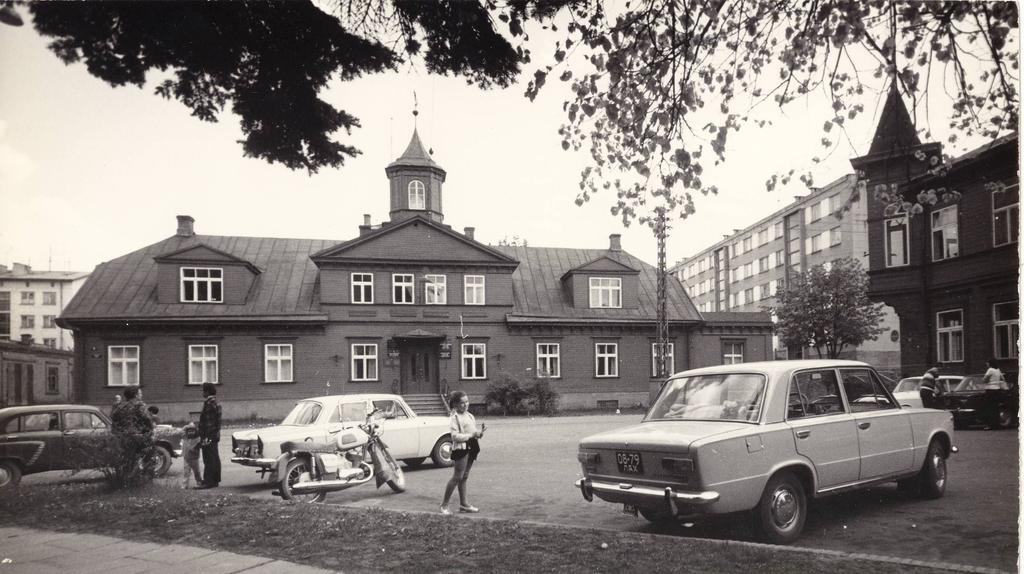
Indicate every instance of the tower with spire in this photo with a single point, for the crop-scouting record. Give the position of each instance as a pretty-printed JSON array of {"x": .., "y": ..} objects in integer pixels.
[{"x": 416, "y": 182}]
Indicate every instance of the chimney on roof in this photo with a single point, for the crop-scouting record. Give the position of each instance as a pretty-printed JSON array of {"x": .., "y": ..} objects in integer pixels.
[
  {"x": 470, "y": 231},
  {"x": 615, "y": 242},
  {"x": 3, "y": 268},
  {"x": 186, "y": 227},
  {"x": 26, "y": 339},
  {"x": 22, "y": 268},
  {"x": 365, "y": 227}
]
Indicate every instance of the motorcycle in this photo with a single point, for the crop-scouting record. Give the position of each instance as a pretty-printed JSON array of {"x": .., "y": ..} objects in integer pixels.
[{"x": 308, "y": 471}]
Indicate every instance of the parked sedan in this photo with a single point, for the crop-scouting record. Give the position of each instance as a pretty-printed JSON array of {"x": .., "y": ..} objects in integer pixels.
[
  {"x": 765, "y": 438},
  {"x": 908, "y": 391},
  {"x": 410, "y": 438},
  {"x": 991, "y": 404},
  {"x": 38, "y": 439}
]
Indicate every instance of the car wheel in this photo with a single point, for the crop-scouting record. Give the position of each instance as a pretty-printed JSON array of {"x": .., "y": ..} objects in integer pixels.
[
  {"x": 782, "y": 511},
  {"x": 931, "y": 482},
  {"x": 660, "y": 516},
  {"x": 414, "y": 462},
  {"x": 161, "y": 461},
  {"x": 1004, "y": 417},
  {"x": 441, "y": 454},
  {"x": 10, "y": 474},
  {"x": 293, "y": 472}
]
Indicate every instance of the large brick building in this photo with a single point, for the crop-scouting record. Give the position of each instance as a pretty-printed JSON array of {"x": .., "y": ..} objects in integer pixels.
[
  {"x": 952, "y": 270},
  {"x": 408, "y": 306}
]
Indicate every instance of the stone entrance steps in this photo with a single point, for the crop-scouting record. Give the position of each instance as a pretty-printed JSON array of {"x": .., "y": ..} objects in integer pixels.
[{"x": 426, "y": 405}]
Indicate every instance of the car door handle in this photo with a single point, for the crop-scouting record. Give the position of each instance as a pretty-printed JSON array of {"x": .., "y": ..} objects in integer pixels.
[
  {"x": 68, "y": 433},
  {"x": 864, "y": 426},
  {"x": 803, "y": 433}
]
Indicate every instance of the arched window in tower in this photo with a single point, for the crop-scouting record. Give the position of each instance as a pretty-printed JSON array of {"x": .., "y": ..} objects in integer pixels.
[{"x": 417, "y": 195}]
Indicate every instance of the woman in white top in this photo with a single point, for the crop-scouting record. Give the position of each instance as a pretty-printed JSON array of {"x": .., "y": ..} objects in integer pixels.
[
  {"x": 464, "y": 450},
  {"x": 993, "y": 376}
]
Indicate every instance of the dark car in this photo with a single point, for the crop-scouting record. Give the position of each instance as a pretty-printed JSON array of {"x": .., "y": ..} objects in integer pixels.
[
  {"x": 975, "y": 403},
  {"x": 35, "y": 439}
]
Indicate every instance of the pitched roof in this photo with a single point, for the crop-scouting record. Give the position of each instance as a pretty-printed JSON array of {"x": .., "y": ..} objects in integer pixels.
[
  {"x": 895, "y": 129},
  {"x": 414, "y": 154},
  {"x": 125, "y": 287},
  {"x": 539, "y": 295}
]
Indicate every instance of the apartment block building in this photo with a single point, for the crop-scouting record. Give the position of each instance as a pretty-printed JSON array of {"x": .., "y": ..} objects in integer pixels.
[
  {"x": 744, "y": 271},
  {"x": 31, "y": 301}
]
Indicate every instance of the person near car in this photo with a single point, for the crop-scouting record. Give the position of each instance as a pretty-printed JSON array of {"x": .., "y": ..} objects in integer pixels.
[
  {"x": 993, "y": 376},
  {"x": 465, "y": 447},
  {"x": 154, "y": 414},
  {"x": 131, "y": 424},
  {"x": 190, "y": 455},
  {"x": 930, "y": 390},
  {"x": 209, "y": 433}
]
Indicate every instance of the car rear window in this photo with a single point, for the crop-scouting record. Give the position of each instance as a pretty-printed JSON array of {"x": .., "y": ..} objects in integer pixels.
[{"x": 725, "y": 396}]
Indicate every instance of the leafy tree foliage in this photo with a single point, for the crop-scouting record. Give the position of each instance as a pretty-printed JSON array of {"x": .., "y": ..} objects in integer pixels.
[
  {"x": 827, "y": 308},
  {"x": 271, "y": 60}
]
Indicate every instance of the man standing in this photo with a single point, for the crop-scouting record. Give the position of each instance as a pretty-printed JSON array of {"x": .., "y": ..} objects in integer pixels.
[
  {"x": 209, "y": 433},
  {"x": 930, "y": 389}
]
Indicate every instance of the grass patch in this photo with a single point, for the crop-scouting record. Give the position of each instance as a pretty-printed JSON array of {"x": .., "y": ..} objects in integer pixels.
[{"x": 365, "y": 540}]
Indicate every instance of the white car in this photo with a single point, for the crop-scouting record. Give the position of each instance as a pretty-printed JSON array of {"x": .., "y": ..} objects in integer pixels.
[
  {"x": 908, "y": 391},
  {"x": 410, "y": 438}
]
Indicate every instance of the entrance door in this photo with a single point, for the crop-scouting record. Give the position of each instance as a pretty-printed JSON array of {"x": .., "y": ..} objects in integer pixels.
[
  {"x": 419, "y": 368},
  {"x": 17, "y": 388}
]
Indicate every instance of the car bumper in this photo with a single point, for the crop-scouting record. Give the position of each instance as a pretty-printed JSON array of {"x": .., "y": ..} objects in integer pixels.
[
  {"x": 681, "y": 501},
  {"x": 257, "y": 462}
]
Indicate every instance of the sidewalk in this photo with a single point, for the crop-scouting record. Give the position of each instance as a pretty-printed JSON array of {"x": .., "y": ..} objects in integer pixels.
[{"x": 29, "y": 551}]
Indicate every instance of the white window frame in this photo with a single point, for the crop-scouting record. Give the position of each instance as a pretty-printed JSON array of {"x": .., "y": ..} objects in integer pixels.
[
  {"x": 417, "y": 195},
  {"x": 196, "y": 280},
  {"x": 763, "y": 291},
  {"x": 1012, "y": 326},
  {"x": 835, "y": 236},
  {"x": 49, "y": 297},
  {"x": 834, "y": 203},
  {"x": 474, "y": 289},
  {"x": 28, "y": 321},
  {"x": 947, "y": 253},
  {"x": 748, "y": 269},
  {"x": 748, "y": 242},
  {"x": 28, "y": 297},
  {"x": 124, "y": 362},
  {"x": 949, "y": 333},
  {"x": 732, "y": 357},
  {"x": 435, "y": 289},
  {"x": 365, "y": 354},
  {"x": 748, "y": 295},
  {"x": 1009, "y": 209},
  {"x": 600, "y": 287},
  {"x": 780, "y": 258},
  {"x": 764, "y": 264},
  {"x": 205, "y": 363},
  {"x": 48, "y": 321},
  {"x": 762, "y": 236},
  {"x": 773, "y": 287},
  {"x": 608, "y": 355},
  {"x": 473, "y": 359},
  {"x": 274, "y": 365},
  {"x": 549, "y": 354},
  {"x": 407, "y": 287},
  {"x": 886, "y": 223},
  {"x": 359, "y": 285},
  {"x": 670, "y": 355}
]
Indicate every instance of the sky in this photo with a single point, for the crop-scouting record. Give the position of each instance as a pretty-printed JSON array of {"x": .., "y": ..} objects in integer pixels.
[{"x": 89, "y": 172}]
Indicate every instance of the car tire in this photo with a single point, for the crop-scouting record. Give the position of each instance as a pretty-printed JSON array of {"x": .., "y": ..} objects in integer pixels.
[
  {"x": 441, "y": 454},
  {"x": 292, "y": 472},
  {"x": 931, "y": 481},
  {"x": 414, "y": 462},
  {"x": 1003, "y": 418},
  {"x": 659, "y": 516},
  {"x": 162, "y": 461},
  {"x": 10, "y": 475},
  {"x": 782, "y": 511}
]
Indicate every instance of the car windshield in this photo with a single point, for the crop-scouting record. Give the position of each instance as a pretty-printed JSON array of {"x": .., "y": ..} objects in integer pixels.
[
  {"x": 726, "y": 396},
  {"x": 304, "y": 413},
  {"x": 973, "y": 383},
  {"x": 907, "y": 385}
]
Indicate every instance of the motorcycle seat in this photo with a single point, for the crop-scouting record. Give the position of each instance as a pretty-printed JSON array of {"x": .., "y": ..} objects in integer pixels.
[{"x": 294, "y": 446}]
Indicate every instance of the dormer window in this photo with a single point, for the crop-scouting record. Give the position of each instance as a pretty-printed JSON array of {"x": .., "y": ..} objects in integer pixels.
[
  {"x": 202, "y": 285},
  {"x": 417, "y": 195},
  {"x": 605, "y": 293}
]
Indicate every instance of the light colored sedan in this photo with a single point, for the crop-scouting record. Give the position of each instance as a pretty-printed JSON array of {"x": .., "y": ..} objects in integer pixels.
[
  {"x": 908, "y": 391},
  {"x": 764, "y": 438},
  {"x": 410, "y": 438}
]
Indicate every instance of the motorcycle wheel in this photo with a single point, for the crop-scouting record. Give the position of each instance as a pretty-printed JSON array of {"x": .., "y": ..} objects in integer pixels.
[
  {"x": 397, "y": 482},
  {"x": 292, "y": 473}
]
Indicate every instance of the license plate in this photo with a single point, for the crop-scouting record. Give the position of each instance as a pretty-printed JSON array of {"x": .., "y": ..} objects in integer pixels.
[
  {"x": 629, "y": 462},
  {"x": 629, "y": 509}
]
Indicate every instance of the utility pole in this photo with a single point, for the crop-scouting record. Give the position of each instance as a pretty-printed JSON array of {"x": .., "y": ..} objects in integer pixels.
[{"x": 661, "y": 231}]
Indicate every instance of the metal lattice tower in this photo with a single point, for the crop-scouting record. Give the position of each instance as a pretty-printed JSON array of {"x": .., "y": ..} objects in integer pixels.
[{"x": 661, "y": 231}]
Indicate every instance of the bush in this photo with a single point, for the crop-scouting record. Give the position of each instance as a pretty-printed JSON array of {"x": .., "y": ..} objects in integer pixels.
[
  {"x": 508, "y": 397},
  {"x": 125, "y": 461}
]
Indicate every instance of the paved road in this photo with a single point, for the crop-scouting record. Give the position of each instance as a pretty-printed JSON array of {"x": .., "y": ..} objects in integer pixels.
[{"x": 528, "y": 467}]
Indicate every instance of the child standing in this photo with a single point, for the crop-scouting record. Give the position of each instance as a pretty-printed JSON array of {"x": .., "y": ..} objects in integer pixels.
[{"x": 190, "y": 455}]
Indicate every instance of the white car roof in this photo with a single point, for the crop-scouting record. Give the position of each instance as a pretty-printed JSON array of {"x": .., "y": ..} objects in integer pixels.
[
  {"x": 772, "y": 367},
  {"x": 353, "y": 398}
]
